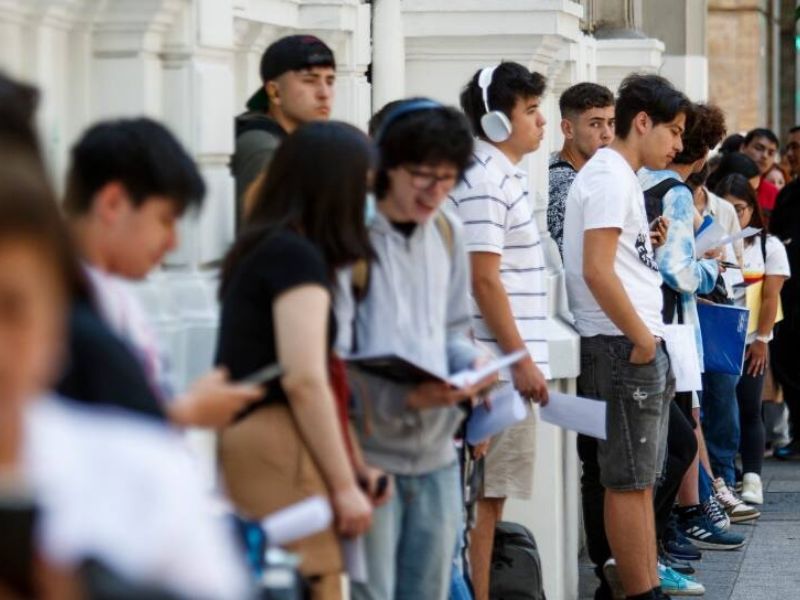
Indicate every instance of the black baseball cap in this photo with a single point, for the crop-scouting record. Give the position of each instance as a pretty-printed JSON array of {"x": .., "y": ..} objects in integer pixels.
[{"x": 290, "y": 53}]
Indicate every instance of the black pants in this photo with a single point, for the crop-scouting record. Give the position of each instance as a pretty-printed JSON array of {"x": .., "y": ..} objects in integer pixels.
[
  {"x": 783, "y": 351},
  {"x": 681, "y": 450},
  {"x": 751, "y": 444}
]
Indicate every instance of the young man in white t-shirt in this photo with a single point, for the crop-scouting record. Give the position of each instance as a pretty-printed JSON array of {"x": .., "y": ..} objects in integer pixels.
[
  {"x": 614, "y": 290},
  {"x": 509, "y": 293}
]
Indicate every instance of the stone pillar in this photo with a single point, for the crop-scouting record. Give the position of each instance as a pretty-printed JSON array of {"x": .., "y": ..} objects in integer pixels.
[
  {"x": 682, "y": 26},
  {"x": 388, "y": 53}
]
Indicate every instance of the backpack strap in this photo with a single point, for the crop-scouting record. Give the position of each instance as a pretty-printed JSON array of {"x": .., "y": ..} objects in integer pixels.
[
  {"x": 445, "y": 229},
  {"x": 763, "y": 236},
  {"x": 654, "y": 196}
]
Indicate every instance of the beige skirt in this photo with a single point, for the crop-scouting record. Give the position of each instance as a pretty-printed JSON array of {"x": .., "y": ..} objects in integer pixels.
[{"x": 266, "y": 466}]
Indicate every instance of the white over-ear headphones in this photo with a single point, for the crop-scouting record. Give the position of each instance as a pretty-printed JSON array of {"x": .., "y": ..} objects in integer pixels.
[{"x": 495, "y": 123}]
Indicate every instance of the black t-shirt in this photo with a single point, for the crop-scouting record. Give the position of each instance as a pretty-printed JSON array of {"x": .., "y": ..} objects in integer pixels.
[
  {"x": 281, "y": 261},
  {"x": 101, "y": 369}
]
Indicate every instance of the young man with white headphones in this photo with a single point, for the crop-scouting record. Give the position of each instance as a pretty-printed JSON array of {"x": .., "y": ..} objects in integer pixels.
[
  {"x": 509, "y": 294},
  {"x": 413, "y": 304}
]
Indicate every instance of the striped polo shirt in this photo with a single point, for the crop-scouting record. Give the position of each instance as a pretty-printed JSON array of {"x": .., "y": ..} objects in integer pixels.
[{"x": 492, "y": 201}]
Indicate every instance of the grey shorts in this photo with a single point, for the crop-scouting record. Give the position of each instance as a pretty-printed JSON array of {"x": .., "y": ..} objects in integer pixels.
[{"x": 637, "y": 412}]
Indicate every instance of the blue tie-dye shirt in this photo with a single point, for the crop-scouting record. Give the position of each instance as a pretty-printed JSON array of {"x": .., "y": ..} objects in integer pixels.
[{"x": 679, "y": 267}]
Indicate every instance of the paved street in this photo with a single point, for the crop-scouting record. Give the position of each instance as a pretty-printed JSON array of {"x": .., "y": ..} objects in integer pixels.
[{"x": 767, "y": 568}]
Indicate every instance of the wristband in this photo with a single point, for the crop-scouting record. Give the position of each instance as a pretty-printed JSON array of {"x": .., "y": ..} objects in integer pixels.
[{"x": 762, "y": 338}]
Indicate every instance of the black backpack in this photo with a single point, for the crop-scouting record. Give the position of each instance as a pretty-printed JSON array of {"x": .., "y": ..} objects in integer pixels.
[
  {"x": 654, "y": 205},
  {"x": 516, "y": 567}
]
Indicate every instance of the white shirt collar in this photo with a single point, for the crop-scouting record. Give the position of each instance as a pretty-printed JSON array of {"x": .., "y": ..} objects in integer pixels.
[{"x": 485, "y": 151}]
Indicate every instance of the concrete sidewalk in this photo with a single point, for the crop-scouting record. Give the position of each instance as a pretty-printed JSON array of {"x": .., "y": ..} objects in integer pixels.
[{"x": 768, "y": 567}]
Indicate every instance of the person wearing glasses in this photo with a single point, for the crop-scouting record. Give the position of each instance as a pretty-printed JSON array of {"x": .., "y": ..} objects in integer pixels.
[
  {"x": 509, "y": 292},
  {"x": 765, "y": 260},
  {"x": 413, "y": 304}
]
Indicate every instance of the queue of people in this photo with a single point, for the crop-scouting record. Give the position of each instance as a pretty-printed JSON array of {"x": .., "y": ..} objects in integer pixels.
[{"x": 415, "y": 240}]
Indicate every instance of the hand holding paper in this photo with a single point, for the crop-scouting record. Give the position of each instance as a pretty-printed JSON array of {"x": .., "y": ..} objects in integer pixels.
[{"x": 470, "y": 377}]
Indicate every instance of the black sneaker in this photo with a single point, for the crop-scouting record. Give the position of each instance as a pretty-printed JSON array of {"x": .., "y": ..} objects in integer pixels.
[
  {"x": 704, "y": 534},
  {"x": 681, "y": 566},
  {"x": 677, "y": 544}
]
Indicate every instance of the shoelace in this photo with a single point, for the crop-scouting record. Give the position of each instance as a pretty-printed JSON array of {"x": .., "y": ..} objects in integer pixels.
[
  {"x": 714, "y": 511},
  {"x": 726, "y": 497}
]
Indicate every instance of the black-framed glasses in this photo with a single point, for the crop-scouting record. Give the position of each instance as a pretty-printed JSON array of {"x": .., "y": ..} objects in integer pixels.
[{"x": 425, "y": 180}]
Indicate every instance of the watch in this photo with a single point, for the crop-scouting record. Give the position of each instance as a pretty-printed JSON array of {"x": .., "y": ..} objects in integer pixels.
[{"x": 762, "y": 338}]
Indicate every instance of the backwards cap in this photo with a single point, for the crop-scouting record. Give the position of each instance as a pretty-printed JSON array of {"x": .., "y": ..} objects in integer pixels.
[{"x": 290, "y": 53}]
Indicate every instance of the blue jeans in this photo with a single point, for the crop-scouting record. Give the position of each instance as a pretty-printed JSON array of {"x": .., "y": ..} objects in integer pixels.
[
  {"x": 413, "y": 537},
  {"x": 720, "y": 420}
]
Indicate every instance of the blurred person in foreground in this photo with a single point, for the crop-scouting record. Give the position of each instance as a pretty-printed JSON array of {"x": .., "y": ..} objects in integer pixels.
[
  {"x": 129, "y": 182},
  {"x": 106, "y": 486}
]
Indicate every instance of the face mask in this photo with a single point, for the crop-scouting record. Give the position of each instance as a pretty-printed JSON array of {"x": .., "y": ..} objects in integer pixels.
[{"x": 369, "y": 208}]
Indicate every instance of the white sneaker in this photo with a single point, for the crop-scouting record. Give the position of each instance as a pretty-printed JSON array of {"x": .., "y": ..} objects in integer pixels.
[{"x": 752, "y": 489}]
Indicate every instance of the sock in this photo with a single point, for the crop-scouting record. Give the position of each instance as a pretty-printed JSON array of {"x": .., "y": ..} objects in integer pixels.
[{"x": 687, "y": 512}]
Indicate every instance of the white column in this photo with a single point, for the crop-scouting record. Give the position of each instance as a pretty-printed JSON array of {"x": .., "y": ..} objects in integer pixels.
[
  {"x": 619, "y": 57},
  {"x": 388, "y": 53}
]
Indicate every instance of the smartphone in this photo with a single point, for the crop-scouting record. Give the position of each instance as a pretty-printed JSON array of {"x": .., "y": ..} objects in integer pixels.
[
  {"x": 654, "y": 223},
  {"x": 17, "y": 546},
  {"x": 380, "y": 486},
  {"x": 263, "y": 375}
]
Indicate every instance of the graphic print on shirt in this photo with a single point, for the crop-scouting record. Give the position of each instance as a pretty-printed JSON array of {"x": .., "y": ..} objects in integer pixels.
[{"x": 641, "y": 249}]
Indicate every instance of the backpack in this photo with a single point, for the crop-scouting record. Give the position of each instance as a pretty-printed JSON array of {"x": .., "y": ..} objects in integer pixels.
[
  {"x": 516, "y": 571},
  {"x": 654, "y": 206}
]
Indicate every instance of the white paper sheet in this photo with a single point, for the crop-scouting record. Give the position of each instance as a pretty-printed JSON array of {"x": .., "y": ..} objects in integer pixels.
[
  {"x": 507, "y": 409},
  {"x": 707, "y": 241},
  {"x": 708, "y": 238},
  {"x": 683, "y": 356},
  {"x": 354, "y": 554},
  {"x": 469, "y": 377},
  {"x": 297, "y": 521},
  {"x": 577, "y": 414}
]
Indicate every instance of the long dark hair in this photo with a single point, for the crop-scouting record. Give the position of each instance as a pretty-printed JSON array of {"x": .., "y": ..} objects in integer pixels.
[
  {"x": 316, "y": 186},
  {"x": 739, "y": 187},
  {"x": 734, "y": 162}
]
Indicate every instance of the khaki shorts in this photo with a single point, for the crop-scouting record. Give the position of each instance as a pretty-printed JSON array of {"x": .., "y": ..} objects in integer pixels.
[{"x": 508, "y": 466}]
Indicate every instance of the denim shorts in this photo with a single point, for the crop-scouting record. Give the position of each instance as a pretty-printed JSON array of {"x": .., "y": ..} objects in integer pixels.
[{"x": 637, "y": 412}]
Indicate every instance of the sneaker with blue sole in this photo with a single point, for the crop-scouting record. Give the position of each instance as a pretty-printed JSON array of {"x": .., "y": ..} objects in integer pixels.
[
  {"x": 675, "y": 584},
  {"x": 706, "y": 536}
]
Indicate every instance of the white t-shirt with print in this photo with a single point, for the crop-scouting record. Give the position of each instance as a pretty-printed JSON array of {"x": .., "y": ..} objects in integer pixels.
[
  {"x": 607, "y": 194},
  {"x": 754, "y": 269}
]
